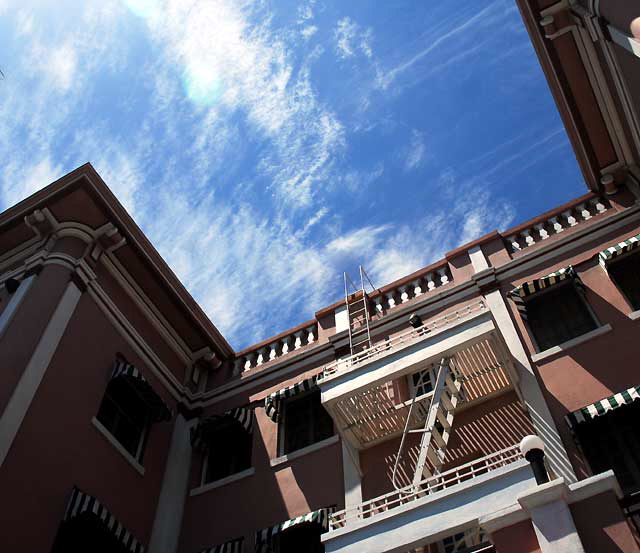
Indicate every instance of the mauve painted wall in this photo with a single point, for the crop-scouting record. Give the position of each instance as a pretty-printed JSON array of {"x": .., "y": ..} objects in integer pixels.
[
  {"x": 518, "y": 538},
  {"x": 602, "y": 526},
  {"x": 57, "y": 445}
]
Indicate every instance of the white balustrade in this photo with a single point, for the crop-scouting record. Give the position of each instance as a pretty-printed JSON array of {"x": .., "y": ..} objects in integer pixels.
[
  {"x": 276, "y": 349},
  {"x": 404, "y": 294},
  {"x": 555, "y": 225}
]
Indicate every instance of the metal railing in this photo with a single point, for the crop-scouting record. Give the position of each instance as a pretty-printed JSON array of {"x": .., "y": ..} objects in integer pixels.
[
  {"x": 402, "y": 340},
  {"x": 430, "y": 485}
]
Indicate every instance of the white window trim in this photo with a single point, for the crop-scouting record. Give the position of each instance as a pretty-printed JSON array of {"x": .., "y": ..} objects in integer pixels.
[
  {"x": 223, "y": 481},
  {"x": 561, "y": 348},
  {"x": 118, "y": 446},
  {"x": 412, "y": 387},
  {"x": 305, "y": 450}
]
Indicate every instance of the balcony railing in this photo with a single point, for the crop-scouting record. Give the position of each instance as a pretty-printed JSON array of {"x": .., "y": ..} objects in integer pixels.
[
  {"x": 402, "y": 340},
  {"x": 430, "y": 485}
]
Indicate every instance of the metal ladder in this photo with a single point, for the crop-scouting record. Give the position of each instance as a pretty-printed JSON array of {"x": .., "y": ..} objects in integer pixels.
[
  {"x": 437, "y": 426},
  {"x": 357, "y": 302}
]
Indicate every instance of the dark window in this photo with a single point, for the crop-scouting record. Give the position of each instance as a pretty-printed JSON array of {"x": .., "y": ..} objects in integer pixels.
[
  {"x": 306, "y": 421},
  {"x": 86, "y": 533},
  {"x": 125, "y": 415},
  {"x": 612, "y": 441},
  {"x": 229, "y": 451},
  {"x": 423, "y": 381},
  {"x": 558, "y": 315},
  {"x": 626, "y": 274},
  {"x": 304, "y": 538}
]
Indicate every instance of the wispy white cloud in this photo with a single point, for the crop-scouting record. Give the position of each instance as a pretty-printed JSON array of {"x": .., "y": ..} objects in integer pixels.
[
  {"x": 415, "y": 152},
  {"x": 308, "y": 31},
  {"x": 351, "y": 39}
]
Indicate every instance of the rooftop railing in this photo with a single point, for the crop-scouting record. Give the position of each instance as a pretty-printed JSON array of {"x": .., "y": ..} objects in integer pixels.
[
  {"x": 403, "y": 340},
  {"x": 431, "y": 485}
]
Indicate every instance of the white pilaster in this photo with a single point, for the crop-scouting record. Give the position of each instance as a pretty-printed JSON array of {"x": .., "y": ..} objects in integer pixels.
[
  {"x": 342, "y": 318},
  {"x": 478, "y": 260},
  {"x": 14, "y": 303},
  {"x": 551, "y": 518},
  {"x": 33, "y": 373},
  {"x": 168, "y": 519},
  {"x": 352, "y": 476}
]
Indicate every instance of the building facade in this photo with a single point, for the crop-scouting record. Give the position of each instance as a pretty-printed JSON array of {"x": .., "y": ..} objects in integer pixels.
[{"x": 390, "y": 422}]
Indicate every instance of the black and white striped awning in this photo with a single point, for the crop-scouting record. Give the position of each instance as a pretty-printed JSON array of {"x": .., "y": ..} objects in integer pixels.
[
  {"x": 200, "y": 435},
  {"x": 233, "y": 546},
  {"x": 80, "y": 503},
  {"x": 603, "y": 406},
  {"x": 272, "y": 402},
  {"x": 264, "y": 537},
  {"x": 527, "y": 289},
  {"x": 125, "y": 370},
  {"x": 608, "y": 255}
]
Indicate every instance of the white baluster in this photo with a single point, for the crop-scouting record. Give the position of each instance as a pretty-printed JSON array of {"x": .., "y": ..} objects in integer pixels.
[
  {"x": 404, "y": 294},
  {"x": 444, "y": 276},
  {"x": 542, "y": 231},
  {"x": 391, "y": 301},
  {"x": 379, "y": 306},
  {"x": 431, "y": 282},
  {"x": 311, "y": 334},
  {"x": 261, "y": 356},
  {"x": 515, "y": 244},
  {"x": 273, "y": 351},
  {"x": 286, "y": 345},
  {"x": 528, "y": 237},
  {"x": 584, "y": 212},
  {"x": 250, "y": 359},
  {"x": 298, "y": 342},
  {"x": 557, "y": 225},
  {"x": 571, "y": 220},
  {"x": 598, "y": 204},
  {"x": 417, "y": 288}
]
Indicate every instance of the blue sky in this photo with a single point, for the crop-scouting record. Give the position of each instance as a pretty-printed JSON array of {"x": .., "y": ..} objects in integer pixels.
[{"x": 265, "y": 147}]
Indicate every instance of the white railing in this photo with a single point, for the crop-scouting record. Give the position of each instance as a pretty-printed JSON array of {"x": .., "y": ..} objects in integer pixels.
[
  {"x": 430, "y": 485},
  {"x": 423, "y": 284},
  {"x": 402, "y": 340},
  {"x": 554, "y": 225},
  {"x": 276, "y": 349}
]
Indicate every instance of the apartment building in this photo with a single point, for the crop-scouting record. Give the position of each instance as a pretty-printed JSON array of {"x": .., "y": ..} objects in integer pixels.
[{"x": 390, "y": 422}]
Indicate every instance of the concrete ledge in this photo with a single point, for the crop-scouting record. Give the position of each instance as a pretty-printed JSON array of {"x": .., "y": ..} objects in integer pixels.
[
  {"x": 634, "y": 315},
  {"x": 561, "y": 348},
  {"x": 595, "y": 485},
  {"x": 118, "y": 446},
  {"x": 305, "y": 450},
  {"x": 222, "y": 482}
]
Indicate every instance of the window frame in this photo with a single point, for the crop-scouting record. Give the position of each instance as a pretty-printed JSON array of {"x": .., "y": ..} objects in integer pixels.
[
  {"x": 146, "y": 427},
  {"x": 206, "y": 458},
  {"x": 612, "y": 265},
  {"x": 581, "y": 297},
  {"x": 282, "y": 423},
  {"x": 413, "y": 388}
]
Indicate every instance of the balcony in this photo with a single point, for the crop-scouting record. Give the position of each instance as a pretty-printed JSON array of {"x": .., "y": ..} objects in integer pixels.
[
  {"x": 450, "y": 502},
  {"x": 367, "y": 393}
]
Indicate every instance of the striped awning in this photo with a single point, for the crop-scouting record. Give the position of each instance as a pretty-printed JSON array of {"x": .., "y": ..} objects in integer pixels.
[
  {"x": 81, "y": 502},
  {"x": 608, "y": 255},
  {"x": 266, "y": 535},
  {"x": 603, "y": 406},
  {"x": 201, "y": 433},
  {"x": 273, "y": 401},
  {"x": 526, "y": 289},
  {"x": 233, "y": 546},
  {"x": 122, "y": 369}
]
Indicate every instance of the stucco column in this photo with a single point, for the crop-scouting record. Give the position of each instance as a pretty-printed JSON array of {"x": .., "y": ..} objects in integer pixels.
[
  {"x": 551, "y": 518},
  {"x": 352, "y": 476},
  {"x": 165, "y": 533},
  {"x": 35, "y": 369}
]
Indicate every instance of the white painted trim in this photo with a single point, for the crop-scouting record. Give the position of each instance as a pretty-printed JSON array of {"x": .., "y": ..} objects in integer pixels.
[
  {"x": 33, "y": 373},
  {"x": 478, "y": 260},
  {"x": 560, "y": 348},
  {"x": 222, "y": 482},
  {"x": 305, "y": 450},
  {"x": 634, "y": 315},
  {"x": 14, "y": 302},
  {"x": 117, "y": 445}
]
